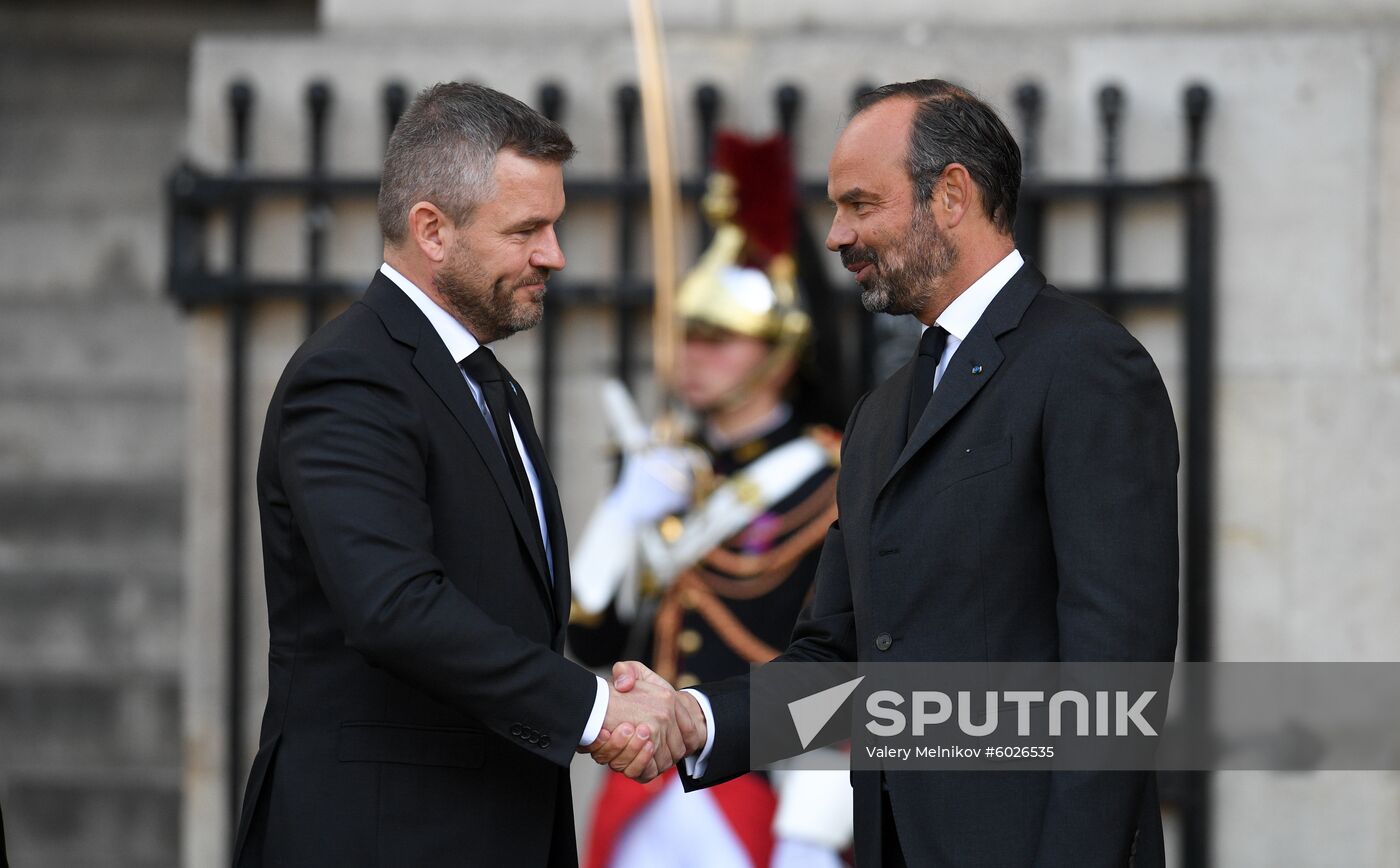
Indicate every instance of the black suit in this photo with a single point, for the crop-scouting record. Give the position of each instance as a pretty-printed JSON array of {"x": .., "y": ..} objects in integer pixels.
[
  {"x": 419, "y": 709},
  {"x": 1030, "y": 517}
]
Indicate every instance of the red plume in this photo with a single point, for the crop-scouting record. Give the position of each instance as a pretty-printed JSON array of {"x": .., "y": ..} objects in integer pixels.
[{"x": 765, "y": 189}]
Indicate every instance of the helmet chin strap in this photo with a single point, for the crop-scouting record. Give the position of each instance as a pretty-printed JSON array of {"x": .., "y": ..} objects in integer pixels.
[{"x": 764, "y": 374}]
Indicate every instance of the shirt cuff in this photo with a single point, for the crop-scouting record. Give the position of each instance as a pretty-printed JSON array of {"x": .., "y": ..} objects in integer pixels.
[
  {"x": 595, "y": 720},
  {"x": 695, "y": 765}
]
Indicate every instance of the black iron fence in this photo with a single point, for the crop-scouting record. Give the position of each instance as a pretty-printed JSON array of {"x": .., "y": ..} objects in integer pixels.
[{"x": 196, "y": 197}]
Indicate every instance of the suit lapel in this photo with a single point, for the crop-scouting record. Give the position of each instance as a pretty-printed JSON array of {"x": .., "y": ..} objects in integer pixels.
[
  {"x": 554, "y": 510},
  {"x": 971, "y": 367},
  {"x": 890, "y": 437},
  {"x": 435, "y": 365}
]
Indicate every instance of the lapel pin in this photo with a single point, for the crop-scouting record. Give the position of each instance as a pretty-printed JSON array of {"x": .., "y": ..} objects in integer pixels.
[{"x": 976, "y": 369}]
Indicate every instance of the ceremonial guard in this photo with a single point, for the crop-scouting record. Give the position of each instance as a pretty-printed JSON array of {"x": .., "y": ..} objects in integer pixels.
[{"x": 703, "y": 554}]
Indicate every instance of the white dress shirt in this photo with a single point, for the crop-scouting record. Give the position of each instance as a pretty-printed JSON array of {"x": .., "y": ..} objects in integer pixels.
[
  {"x": 957, "y": 319},
  {"x": 460, "y": 344}
]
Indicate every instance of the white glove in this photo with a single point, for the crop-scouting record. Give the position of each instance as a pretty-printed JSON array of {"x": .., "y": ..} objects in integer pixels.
[
  {"x": 655, "y": 483},
  {"x": 815, "y": 805},
  {"x": 792, "y": 853},
  {"x": 603, "y": 561}
]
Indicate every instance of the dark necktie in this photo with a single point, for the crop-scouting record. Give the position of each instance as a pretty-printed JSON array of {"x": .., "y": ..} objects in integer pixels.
[
  {"x": 925, "y": 366},
  {"x": 497, "y": 388}
]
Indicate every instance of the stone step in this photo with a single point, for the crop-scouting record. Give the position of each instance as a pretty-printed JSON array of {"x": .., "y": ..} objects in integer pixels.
[
  {"x": 122, "y": 254},
  {"x": 59, "y": 622},
  {"x": 90, "y": 719},
  {"x": 93, "y": 819},
  {"x": 92, "y": 513},
  {"x": 129, "y": 528},
  {"x": 53, "y": 144},
  {"x": 108, "y": 436},
  {"x": 93, "y": 348}
]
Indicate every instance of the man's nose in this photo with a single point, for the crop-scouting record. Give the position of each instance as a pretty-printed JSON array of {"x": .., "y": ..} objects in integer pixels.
[
  {"x": 549, "y": 255},
  {"x": 840, "y": 235}
]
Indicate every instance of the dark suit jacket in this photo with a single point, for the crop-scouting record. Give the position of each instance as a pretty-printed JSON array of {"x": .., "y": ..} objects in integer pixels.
[
  {"x": 1031, "y": 517},
  {"x": 419, "y": 710}
]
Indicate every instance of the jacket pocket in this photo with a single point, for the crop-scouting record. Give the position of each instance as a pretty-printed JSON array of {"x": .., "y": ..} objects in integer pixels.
[
  {"x": 369, "y": 742},
  {"x": 973, "y": 461}
]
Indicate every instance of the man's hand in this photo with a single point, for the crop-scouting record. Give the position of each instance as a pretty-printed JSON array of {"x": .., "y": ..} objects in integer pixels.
[
  {"x": 626, "y": 749},
  {"x": 689, "y": 718},
  {"x": 642, "y": 717}
]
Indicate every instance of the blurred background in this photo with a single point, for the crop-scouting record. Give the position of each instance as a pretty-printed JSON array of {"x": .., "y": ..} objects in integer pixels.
[{"x": 186, "y": 188}]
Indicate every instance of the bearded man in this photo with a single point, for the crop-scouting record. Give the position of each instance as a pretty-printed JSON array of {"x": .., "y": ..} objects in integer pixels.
[
  {"x": 420, "y": 710},
  {"x": 1008, "y": 495}
]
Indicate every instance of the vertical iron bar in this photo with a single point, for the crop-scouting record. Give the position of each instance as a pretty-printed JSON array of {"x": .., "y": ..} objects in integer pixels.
[
  {"x": 869, "y": 339},
  {"x": 1030, "y": 216},
  {"x": 1110, "y": 208},
  {"x": 395, "y": 100},
  {"x": 1200, "y": 505},
  {"x": 628, "y": 103},
  {"x": 1197, "y": 100},
  {"x": 787, "y": 100},
  {"x": 1200, "y": 461},
  {"x": 240, "y": 106},
  {"x": 186, "y": 253},
  {"x": 551, "y": 106},
  {"x": 707, "y": 104},
  {"x": 1029, "y": 105},
  {"x": 318, "y": 210}
]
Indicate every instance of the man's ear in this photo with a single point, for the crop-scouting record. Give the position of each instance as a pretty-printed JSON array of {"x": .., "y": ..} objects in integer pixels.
[
  {"x": 954, "y": 195},
  {"x": 429, "y": 230}
]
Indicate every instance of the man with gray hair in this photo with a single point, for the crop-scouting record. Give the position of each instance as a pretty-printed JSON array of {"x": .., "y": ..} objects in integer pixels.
[{"x": 420, "y": 711}]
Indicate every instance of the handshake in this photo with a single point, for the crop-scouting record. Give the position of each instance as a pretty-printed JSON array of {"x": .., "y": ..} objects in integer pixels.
[{"x": 649, "y": 726}]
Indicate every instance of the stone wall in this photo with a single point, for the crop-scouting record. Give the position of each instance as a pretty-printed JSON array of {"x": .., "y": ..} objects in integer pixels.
[{"x": 93, "y": 107}]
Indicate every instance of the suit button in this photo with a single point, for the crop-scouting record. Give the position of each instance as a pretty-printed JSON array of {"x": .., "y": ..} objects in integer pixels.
[
  {"x": 515, "y": 730},
  {"x": 534, "y": 739},
  {"x": 544, "y": 741},
  {"x": 883, "y": 642}
]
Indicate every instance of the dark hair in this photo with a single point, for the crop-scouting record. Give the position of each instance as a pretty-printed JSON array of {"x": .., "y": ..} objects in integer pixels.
[
  {"x": 444, "y": 148},
  {"x": 951, "y": 125}
]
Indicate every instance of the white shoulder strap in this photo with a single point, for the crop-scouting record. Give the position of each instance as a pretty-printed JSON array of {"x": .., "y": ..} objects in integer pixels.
[{"x": 733, "y": 506}]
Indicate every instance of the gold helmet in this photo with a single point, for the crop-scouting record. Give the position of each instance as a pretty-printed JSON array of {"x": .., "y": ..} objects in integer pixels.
[{"x": 745, "y": 282}]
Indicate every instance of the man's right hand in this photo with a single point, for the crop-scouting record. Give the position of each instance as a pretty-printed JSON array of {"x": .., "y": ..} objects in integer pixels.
[
  {"x": 628, "y": 749},
  {"x": 642, "y": 716}
]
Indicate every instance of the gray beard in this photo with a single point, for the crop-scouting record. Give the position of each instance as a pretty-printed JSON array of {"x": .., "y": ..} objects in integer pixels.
[{"x": 907, "y": 288}]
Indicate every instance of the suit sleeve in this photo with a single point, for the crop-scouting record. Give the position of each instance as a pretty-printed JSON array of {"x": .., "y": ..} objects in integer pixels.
[
  {"x": 825, "y": 632},
  {"x": 1110, "y": 457},
  {"x": 355, "y": 473}
]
